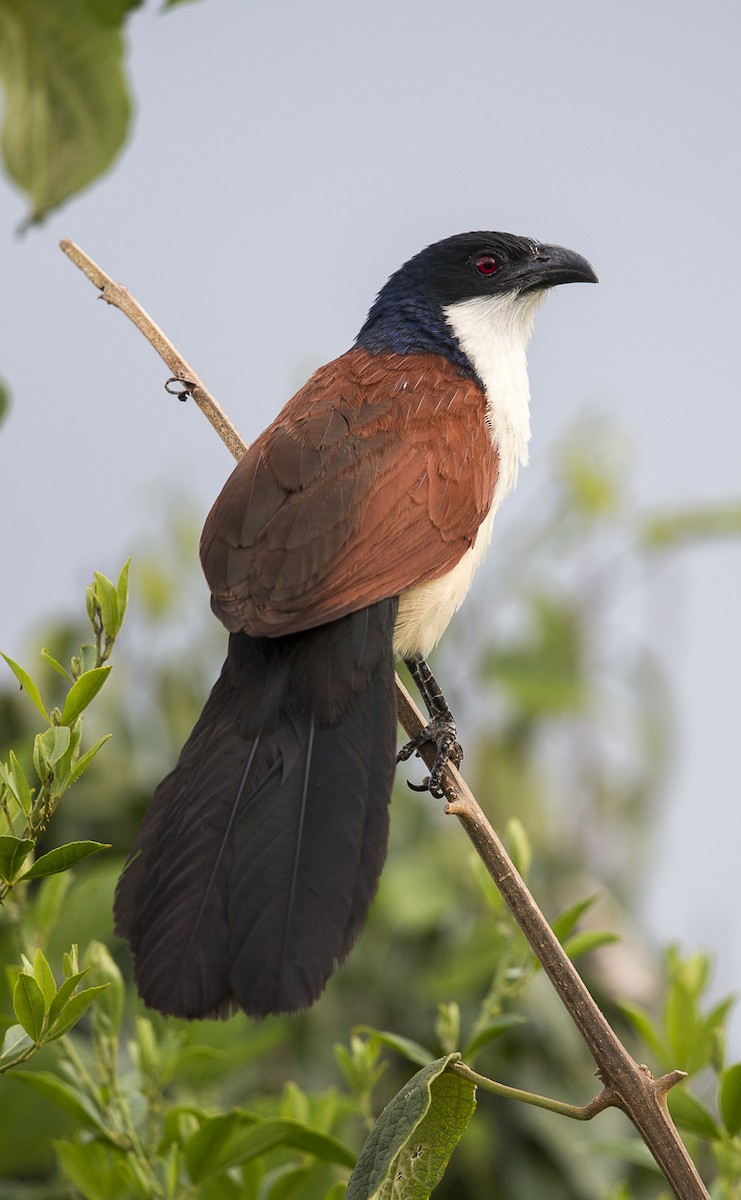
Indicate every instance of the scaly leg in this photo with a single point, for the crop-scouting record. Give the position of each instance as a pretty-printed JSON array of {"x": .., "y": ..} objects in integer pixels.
[{"x": 441, "y": 730}]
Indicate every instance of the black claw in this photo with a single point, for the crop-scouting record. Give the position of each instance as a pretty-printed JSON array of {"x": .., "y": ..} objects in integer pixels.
[
  {"x": 428, "y": 785},
  {"x": 424, "y": 786}
]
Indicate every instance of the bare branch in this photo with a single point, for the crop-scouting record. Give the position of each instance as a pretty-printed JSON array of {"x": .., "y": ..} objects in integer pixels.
[
  {"x": 113, "y": 293},
  {"x": 627, "y": 1085}
]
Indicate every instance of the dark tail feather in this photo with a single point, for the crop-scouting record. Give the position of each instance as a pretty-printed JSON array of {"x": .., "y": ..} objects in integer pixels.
[{"x": 260, "y": 854}]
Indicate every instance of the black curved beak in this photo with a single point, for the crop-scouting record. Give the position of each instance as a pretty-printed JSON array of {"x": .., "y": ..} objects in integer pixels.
[{"x": 549, "y": 266}]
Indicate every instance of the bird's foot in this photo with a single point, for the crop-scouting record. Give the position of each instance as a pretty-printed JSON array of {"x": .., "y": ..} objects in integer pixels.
[{"x": 442, "y": 732}]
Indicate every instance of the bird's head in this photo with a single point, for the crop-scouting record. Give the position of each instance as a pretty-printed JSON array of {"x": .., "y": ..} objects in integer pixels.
[{"x": 415, "y": 311}]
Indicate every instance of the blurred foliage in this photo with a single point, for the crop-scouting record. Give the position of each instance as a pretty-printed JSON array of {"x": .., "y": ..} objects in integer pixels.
[
  {"x": 566, "y": 719},
  {"x": 67, "y": 111},
  {"x": 67, "y": 108},
  {"x": 4, "y": 401}
]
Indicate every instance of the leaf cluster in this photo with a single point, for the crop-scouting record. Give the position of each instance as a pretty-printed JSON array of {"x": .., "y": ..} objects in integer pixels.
[
  {"x": 45, "y": 1011},
  {"x": 691, "y": 1034},
  {"x": 27, "y": 804}
]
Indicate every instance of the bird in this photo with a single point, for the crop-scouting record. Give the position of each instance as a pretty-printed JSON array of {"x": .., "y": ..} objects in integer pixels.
[{"x": 346, "y": 537}]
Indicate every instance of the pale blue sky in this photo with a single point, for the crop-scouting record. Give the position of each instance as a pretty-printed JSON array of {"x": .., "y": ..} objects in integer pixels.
[{"x": 286, "y": 158}]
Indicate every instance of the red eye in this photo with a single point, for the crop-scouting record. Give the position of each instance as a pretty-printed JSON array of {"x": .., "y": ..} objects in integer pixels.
[{"x": 485, "y": 264}]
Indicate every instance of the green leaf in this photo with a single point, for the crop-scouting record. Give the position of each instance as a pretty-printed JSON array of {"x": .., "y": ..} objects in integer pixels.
[
  {"x": 70, "y": 961},
  {"x": 180, "y": 1122},
  {"x": 337, "y": 1192},
  {"x": 209, "y": 1142},
  {"x": 518, "y": 845},
  {"x": 411, "y": 1143},
  {"x": 40, "y": 762},
  {"x": 28, "y": 1005},
  {"x": 689, "y": 1114},
  {"x": 67, "y": 109},
  {"x": 22, "y": 676},
  {"x": 150, "y": 1057},
  {"x": 48, "y": 903},
  {"x": 627, "y": 1150},
  {"x": 448, "y": 1027},
  {"x": 74, "y": 1009},
  {"x": 683, "y": 1027},
  {"x": 81, "y": 693},
  {"x": 424, "y": 1158},
  {"x": 718, "y": 1014},
  {"x": 172, "y": 1171},
  {"x": 122, "y": 592},
  {"x": 13, "y": 853},
  {"x": 103, "y": 970},
  {"x": 44, "y": 977},
  {"x": 644, "y": 1025},
  {"x": 66, "y": 1097},
  {"x": 567, "y": 921},
  {"x": 63, "y": 766},
  {"x": 392, "y": 1131},
  {"x": 409, "y": 1049},
  {"x": 63, "y": 858},
  {"x": 16, "y": 1040},
  {"x": 729, "y": 1099},
  {"x": 88, "y": 657},
  {"x": 493, "y": 1029},
  {"x": 63, "y": 994},
  {"x": 4, "y": 400},
  {"x": 57, "y": 666},
  {"x": 20, "y": 786},
  {"x": 360, "y": 1063},
  {"x": 56, "y": 743},
  {"x": 295, "y": 1104},
  {"x": 99, "y": 1171},
  {"x": 106, "y": 595},
  {"x": 589, "y": 939},
  {"x": 111, "y": 12},
  {"x": 692, "y": 970},
  {"x": 85, "y": 759},
  {"x": 284, "y": 1182},
  {"x": 233, "y": 1138}
]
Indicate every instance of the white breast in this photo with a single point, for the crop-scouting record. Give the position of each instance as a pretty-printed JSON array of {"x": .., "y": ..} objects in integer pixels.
[{"x": 494, "y": 332}]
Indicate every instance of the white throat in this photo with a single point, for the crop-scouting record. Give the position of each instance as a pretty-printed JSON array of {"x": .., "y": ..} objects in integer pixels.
[{"x": 494, "y": 332}]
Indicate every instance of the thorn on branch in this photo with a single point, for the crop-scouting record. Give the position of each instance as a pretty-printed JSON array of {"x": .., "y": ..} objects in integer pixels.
[{"x": 664, "y": 1085}]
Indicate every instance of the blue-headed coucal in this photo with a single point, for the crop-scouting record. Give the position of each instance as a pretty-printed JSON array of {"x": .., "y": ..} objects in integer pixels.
[{"x": 348, "y": 534}]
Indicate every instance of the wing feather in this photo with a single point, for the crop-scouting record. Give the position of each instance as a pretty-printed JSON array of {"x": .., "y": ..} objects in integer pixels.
[{"x": 375, "y": 477}]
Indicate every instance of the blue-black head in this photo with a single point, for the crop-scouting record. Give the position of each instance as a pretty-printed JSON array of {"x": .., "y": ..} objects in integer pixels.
[{"x": 408, "y": 314}]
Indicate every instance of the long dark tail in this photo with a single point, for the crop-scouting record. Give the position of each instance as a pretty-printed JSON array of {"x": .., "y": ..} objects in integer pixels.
[{"x": 260, "y": 854}]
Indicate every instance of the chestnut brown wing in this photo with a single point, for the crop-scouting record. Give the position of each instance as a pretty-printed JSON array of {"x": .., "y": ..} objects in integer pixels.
[{"x": 373, "y": 478}]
